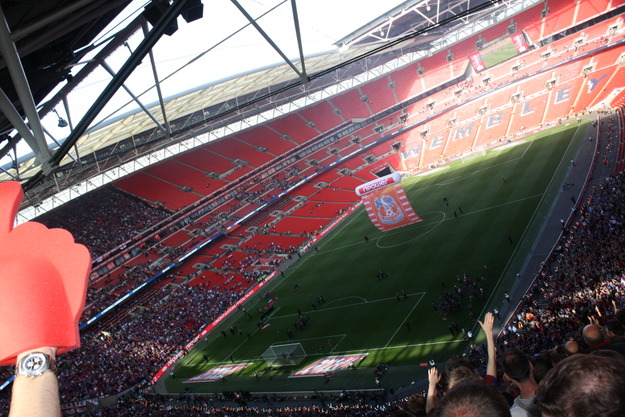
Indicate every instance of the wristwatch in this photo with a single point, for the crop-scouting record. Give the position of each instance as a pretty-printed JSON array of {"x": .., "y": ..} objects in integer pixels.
[{"x": 35, "y": 364}]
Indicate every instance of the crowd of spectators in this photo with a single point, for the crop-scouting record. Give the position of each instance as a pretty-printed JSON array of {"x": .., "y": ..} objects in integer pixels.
[
  {"x": 104, "y": 219},
  {"x": 583, "y": 283},
  {"x": 115, "y": 357},
  {"x": 203, "y": 406},
  {"x": 101, "y": 296}
]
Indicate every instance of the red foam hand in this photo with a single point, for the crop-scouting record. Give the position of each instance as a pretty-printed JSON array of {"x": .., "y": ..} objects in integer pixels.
[{"x": 43, "y": 282}]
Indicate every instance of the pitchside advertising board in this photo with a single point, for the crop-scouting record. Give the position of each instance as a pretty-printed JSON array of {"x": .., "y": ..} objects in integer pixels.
[{"x": 386, "y": 203}]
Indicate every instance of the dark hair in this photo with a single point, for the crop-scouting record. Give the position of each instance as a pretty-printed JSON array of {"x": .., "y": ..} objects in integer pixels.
[
  {"x": 473, "y": 398},
  {"x": 544, "y": 363},
  {"x": 615, "y": 326},
  {"x": 457, "y": 369},
  {"x": 611, "y": 353},
  {"x": 620, "y": 315},
  {"x": 583, "y": 386},
  {"x": 415, "y": 405},
  {"x": 516, "y": 365}
]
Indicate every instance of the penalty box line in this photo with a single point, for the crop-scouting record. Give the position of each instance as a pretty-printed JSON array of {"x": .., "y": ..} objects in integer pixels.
[
  {"x": 405, "y": 318},
  {"x": 444, "y": 342}
]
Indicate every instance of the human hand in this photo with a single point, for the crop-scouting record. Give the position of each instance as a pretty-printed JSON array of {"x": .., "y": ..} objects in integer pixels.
[
  {"x": 43, "y": 283},
  {"x": 433, "y": 376},
  {"x": 489, "y": 323}
]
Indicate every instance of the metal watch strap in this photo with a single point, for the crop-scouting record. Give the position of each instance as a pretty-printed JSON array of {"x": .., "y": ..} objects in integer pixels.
[{"x": 35, "y": 364}]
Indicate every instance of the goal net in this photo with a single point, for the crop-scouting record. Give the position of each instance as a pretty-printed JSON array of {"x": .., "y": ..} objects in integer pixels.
[{"x": 284, "y": 355}]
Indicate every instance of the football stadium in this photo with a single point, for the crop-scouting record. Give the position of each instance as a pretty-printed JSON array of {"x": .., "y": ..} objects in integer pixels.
[{"x": 427, "y": 219}]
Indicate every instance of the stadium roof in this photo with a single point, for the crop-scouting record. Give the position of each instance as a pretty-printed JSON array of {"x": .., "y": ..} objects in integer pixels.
[{"x": 53, "y": 50}]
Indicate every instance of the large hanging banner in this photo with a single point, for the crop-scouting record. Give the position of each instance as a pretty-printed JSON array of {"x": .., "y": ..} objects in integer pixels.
[
  {"x": 520, "y": 43},
  {"x": 386, "y": 203},
  {"x": 477, "y": 61}
]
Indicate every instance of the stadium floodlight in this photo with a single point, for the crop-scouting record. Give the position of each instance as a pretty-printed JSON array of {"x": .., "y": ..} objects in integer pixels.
[{"x": 62, "y": 122}]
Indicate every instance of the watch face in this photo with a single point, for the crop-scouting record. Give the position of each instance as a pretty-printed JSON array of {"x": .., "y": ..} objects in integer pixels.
[{"x": 35, "y": 362}]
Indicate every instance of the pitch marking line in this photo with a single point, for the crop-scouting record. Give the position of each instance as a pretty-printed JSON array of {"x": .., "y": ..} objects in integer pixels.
[
  {"x": 433, "y": 226},
  {"x": 529, "y": 225},
  {"x": 322, "y": 339},
  {"x": 432, "y": 171},
  {"x": 445, "y": 342},
  {"x": 475, "y": 172},
  {"x": 324, "y": 309},
  {"x": 507, "y": 203},
  {"x": 397, "y": 231},
  {"x": 509, "y": 146},
  {"x": 404, "y": 321}
]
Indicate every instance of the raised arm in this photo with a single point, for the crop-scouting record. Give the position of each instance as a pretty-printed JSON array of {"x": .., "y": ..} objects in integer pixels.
[
  {"x": 36, "y": 396},
  {"x": 42, "y": 293},
  {"x": 487, "y": 326},
  {"x": 434, "y": 378}
]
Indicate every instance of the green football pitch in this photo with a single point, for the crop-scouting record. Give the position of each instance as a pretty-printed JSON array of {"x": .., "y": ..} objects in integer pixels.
[
  {"x": 500, "y": 201},
  {"x": 500, "y": 55}
]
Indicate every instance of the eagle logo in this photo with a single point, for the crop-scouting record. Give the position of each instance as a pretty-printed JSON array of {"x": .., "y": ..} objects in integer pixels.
[{"x": 388, "y": 210}]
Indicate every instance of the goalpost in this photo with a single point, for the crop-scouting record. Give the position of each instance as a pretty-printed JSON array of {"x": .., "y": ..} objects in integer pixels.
[{"x": 284, "y": 355}]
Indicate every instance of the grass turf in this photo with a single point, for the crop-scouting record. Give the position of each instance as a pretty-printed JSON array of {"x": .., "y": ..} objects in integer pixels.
[
  {"x": 500, "y": 201},
  {"x": 500, "y": 55}
]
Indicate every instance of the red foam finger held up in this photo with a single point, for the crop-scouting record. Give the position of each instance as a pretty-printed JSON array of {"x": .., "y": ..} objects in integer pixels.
[{"x": 43, "y": 283}]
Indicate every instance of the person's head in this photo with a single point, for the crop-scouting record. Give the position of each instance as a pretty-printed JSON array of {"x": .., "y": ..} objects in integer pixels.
[
  {"x": 473, "y": 398},
  {"x": 571, "y": 348},
  {"x": 620, "y": 315},
  {"x": 516, "y": 365},
  {"x": 543, "y": 364},
  {"x": 593, "y": 335},
  {"x": 613, "y": 328},
  {"x": 415, "y": 405},
  {"x": 610, "y": 353},
  {"x": 457, "y": 369},
  {"x": 583, "y": 386}
]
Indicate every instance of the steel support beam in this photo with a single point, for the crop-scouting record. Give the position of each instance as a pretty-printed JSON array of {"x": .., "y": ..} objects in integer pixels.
[
  {"x": 71, "y": 125},
  {"x": 72, "y": 21},
  {"x": 157, "y": 83},
  {"x": 109, "y": 91},
  {"x": 303, "y": 75},
  {"x": 57, "y": 142},
  {"x": 14, "y": 65},
  {"x": 16, "y": 120},
  {"x": 267, "y": 38},
  {"x": 51, "y": 18},
  {"x": 90, "y": 66},
  {"x": 135, "y": 98}
]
